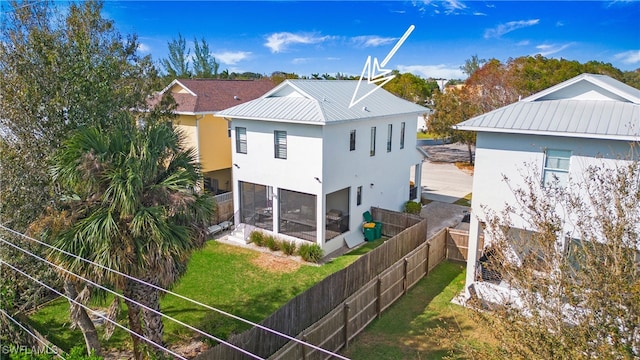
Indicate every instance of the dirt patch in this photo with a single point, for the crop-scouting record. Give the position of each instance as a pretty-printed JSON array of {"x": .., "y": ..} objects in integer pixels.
[
  {"x": 465, "y": 166},
  {"x": 274, "y": 263}
]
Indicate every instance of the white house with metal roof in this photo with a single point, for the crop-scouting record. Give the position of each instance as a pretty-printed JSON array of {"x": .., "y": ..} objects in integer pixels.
[
  {"x": 586, "y": 120},
  {"x": 306, "y": 165}
]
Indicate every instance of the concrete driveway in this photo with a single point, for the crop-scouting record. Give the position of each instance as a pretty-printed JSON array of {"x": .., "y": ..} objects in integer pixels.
[{"x": 444, "y": 182}]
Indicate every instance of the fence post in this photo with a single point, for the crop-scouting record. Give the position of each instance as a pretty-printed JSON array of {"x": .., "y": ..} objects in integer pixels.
[
  {"x": 304, "y": 347},
  {"x": 405, "y": 282},
  {"x": 379, "y": 294},
  {"x": 346, "y": 325},
  {"x": 426, "y": 263}
]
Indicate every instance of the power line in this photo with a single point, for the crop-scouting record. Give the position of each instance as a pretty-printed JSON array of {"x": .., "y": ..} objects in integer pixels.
[
  {"x": 132, "y": 301},
  {"x": 30, "y": 333},
  {"x": 208, "y": 307},
  {"x": 93, "y": 311}
]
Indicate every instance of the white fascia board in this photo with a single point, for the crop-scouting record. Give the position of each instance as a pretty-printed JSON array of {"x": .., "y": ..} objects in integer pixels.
[{"x": 550, "y": 133}]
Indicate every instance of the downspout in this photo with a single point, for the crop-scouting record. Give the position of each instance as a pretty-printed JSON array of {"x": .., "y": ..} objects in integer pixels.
[{"x": 201, "y": 185}]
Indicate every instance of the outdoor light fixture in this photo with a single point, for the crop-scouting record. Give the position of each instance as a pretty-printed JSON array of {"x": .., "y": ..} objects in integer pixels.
[
  {"x": 371, "y": 185},
  {"x": 318, "y": 180},
  {"x": 236, "y": 165}
]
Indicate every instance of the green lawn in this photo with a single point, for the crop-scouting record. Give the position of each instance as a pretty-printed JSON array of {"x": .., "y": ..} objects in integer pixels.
[
  {"x": 465, "y": 201},
  {"x": 219, "y": 275},
  {"x": 420, "y": 135},
  {"x": 424, "y": 324}
]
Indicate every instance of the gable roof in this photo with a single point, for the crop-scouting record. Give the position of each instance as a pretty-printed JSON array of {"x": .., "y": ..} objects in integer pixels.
[
  {"x": 209, "y": 95},
  {"x": 586, "y": 106},
  {"x": 320, "y": 102}
]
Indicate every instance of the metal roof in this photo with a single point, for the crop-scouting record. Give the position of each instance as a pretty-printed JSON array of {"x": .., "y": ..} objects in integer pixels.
[
  {"x": 587, "y": 106},
  {"x": 320, "y": 102}
]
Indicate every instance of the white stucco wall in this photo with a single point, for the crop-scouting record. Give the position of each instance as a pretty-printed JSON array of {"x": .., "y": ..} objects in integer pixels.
[{"x": 499, "y": 155}]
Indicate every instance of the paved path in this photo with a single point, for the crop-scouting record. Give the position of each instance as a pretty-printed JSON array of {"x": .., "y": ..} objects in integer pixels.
[{"x": 444, "y": 182}]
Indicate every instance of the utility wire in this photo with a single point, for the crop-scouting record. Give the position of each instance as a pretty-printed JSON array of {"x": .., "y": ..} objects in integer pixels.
[
  {"x": 30, "y": 333},
  {"x": 208, "y": 307},
  {"x": 114, "y": 293},
  {"x": 93, "y": 311}
]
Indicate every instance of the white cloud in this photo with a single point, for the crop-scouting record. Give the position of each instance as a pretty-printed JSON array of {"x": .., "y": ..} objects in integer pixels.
[
  {"x": 550, "y": 49},
  {"x": 502, "y": 29},
  {"x": 452, "y": 6},
  {"x": 144, "y": 48},
  {"x": 231, "y": 57},
  {"x": 297, "y": 61},
  {"x": 372, "y": 40},
  {"x": 279, "y": 42},
  {"x": 629, "y": 57},
  {"x": 433, "y": 71},
  {"x": 477, "y": 13},
  {"x": 523, "y": 43}
]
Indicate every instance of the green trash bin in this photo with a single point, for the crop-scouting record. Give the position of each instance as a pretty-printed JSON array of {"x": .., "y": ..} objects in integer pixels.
[
  {"x": 378, "y": 228},
  {"x": 369, "y": 231}
]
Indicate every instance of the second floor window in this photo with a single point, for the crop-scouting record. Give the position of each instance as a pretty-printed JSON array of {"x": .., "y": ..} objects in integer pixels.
[
  {"x": 556, "y": 167},
  {"x": 352, "y": 140},
  {"x": 372, "y": 149},
  {"x": 280, "y": 144},
  {"x": 241, "y": 140},
  {"x": 389, "y": 135},
  {"x": 402, "y": 135}
]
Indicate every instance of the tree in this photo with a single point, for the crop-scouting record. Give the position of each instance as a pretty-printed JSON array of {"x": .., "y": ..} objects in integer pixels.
[
  {"x": 133, "y": 208},
  {"x": 451, "y": 108},
  {"x": 471, "y": 65},
  {"x": 177, "y": 64},
  {"x": 204, "y": 64},
  {"x": 410, "y": 87},
  {"x": 575, "y": 275},
  {"x": 61, "y": 70}
]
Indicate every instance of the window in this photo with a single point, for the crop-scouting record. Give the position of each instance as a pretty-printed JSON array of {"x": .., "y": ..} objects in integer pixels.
[
  {"x": 359, "y": 196},
  {"x": 556, "y": 167},
  {"x": 389, "y": 132},
  {"x": 402, "y": 135},
  {"x": 280, "y": 144},
  {"x": 352, "y": 140},
  {"x": 372, "y": 150},
  {"x": 241, "y": 140}
]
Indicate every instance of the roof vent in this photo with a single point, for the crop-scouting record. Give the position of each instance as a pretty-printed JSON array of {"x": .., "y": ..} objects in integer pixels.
[{"x": 235, "y": 97}]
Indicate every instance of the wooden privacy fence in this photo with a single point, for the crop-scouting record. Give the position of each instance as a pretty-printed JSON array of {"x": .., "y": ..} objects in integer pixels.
[
  {"x": 334, "y": 311},
  {"x": 394, "y": 222},
  {"x": 341, "y": 325}
]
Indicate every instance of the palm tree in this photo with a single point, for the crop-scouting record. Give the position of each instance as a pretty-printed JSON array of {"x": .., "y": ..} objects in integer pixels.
[{"x": 136, "y": 211}]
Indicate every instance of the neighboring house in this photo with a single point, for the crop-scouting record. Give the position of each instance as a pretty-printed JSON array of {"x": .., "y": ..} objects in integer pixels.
[
  {"x": 587, "y": 120},
  {"x": 209, "y": 135},
  {"x": 306, "y": 166}
]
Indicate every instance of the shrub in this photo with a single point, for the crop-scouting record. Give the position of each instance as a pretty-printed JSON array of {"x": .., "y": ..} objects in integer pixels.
[
  {"x": 272, "y": 243},
  {"x": 412, "y": 207},
  {"x": 288, "y": 247},
  {"x": 310, "y": 252},
  {"x": 257, "y": 238}
]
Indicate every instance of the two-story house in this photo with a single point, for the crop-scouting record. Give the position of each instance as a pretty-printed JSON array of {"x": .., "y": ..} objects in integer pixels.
[
  {"x": 307, "y": 165},
  {"x": 586, "y": 120}
]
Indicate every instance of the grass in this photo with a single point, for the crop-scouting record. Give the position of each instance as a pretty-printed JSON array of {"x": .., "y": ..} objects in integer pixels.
[
  {"x": 426, "y": 136},
  {"x": 424, "y": 324},
  {"x": 219, "y": 275},
  {"x": 464, "y": 201}
]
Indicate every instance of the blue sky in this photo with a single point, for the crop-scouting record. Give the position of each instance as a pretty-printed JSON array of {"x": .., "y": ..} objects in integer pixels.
[{"x": 308, "y": 37}]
